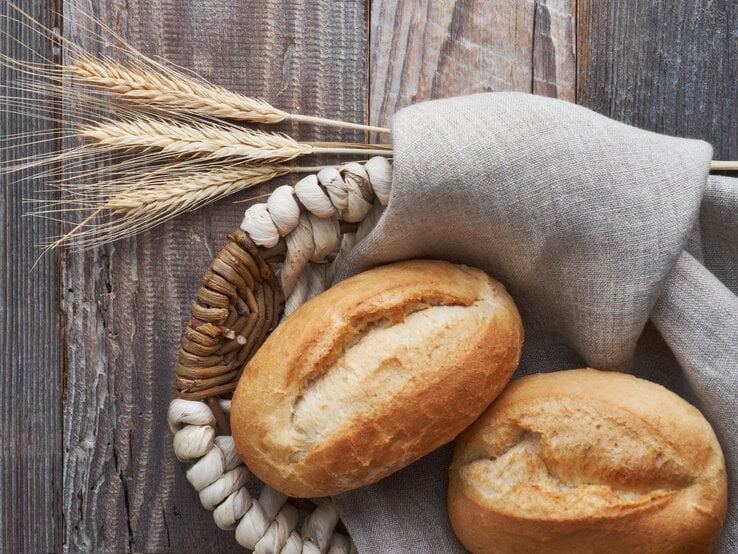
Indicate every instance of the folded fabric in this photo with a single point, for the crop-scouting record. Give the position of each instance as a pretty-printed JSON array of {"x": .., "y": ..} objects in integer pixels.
[{"x": 588, "y": 222}]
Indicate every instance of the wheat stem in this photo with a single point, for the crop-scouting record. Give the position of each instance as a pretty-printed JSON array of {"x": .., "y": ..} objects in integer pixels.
[
  {"x": 721, "y": 165},
  {"x": 311, "y": 168},
  {"x": 358, "y": 145},
  {"x": 178, "y": 91},
  {"x": 345, "y": 124},
  {"x": 353, "y": 151},
  {"x": 210, "y": 141}
]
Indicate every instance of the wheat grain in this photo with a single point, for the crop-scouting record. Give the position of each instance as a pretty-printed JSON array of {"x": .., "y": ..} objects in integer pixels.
[
  {"x": 159, "y": 86},
  {"x": 174, "y": 91},
  {"x": 137, "y": 209},
  {"x": 210, "y": 141},
  {"x": 190, "y": 192}
]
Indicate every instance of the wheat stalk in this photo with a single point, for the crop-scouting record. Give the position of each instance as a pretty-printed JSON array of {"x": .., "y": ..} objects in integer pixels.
[
  {"x": 203, "y": 140},
  {"x": 178, "y": 91},
  {"x": 210, "y": 141},
  {"x": 142, "y": 206},
  {"x": 189, "y": 192},
  {"x": 175, "y": 91},
  {"x": 722, "y": 165}
]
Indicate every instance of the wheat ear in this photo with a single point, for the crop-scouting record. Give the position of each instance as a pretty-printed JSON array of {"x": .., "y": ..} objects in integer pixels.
[
  {"x": 203, "y": 140},
  {"x": 178, "y": 91},
  {"x": 138, "y": 208},
  {"x": 210, "y": 141},
  {"x": 189, "y": 192}
]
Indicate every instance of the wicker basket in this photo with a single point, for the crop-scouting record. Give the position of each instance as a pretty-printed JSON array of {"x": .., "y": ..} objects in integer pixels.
[{"x": 240, "y": 300}]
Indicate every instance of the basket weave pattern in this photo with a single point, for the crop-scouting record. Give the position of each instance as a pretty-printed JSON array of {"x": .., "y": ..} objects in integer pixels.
[{"x": 238, "y": 304}]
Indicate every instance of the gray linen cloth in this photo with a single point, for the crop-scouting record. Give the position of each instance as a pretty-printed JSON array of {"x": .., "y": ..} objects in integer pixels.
[{"x": 619, "y": 250}]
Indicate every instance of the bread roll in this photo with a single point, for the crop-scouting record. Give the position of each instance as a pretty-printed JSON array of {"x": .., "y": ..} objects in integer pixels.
[
  {"x": 372, "y": 374},
  {"x": 588, "y": 461}
]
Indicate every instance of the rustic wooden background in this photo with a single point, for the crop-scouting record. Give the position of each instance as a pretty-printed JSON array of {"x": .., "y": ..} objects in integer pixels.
[{"x": 88, "y": 341}]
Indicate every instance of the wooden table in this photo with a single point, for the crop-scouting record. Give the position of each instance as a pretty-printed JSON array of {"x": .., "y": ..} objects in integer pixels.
[{"x": 88, "y": 340}]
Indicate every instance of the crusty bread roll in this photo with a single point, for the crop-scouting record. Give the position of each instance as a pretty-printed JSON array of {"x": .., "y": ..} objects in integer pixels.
[
  {"x": 372, "y": 374},
  {"x": 588, "y": 461}
]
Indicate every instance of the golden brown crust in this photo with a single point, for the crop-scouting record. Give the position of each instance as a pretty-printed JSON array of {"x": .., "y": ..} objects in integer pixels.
[
  {"x": 373, "y": 374},
  {"x": 588, "y": 461}
]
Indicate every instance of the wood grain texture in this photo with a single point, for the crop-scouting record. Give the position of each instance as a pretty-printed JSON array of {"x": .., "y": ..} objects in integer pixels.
[
  {"x": 127, "y": 303},
  {"x": 423, "y": 49},
  {"x": 86, "y": 454},
  {"x": 30, "y": 345},
  {"x": 554, "y": 49},
  {"x": 670, "y": 67}
]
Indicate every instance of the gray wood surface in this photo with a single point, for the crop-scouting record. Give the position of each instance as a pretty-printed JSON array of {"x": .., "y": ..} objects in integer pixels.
[
  {"x": 127, "y": 304},
  {"x": 670, "y": 67},
  {"x": 31, "y": 368},
  {"x": 89, "y": 340}
]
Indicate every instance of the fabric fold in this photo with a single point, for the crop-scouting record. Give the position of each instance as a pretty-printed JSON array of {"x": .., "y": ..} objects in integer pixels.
[
  {"x": 697, "y": 315},
  {"x": 577, "y": 214},
  {"x": 585, "y": 221}
]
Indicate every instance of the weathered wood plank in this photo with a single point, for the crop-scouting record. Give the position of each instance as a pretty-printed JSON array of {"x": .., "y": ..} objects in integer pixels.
[
  {"x": 127, "y": 303},
  {"x": 664, "y": 67},
  {"x": 31, "y": 377},
  {"x": 554, "y": 49},
  {"x": 670, "y": 67},
  {"x": 422, "y": 50}
]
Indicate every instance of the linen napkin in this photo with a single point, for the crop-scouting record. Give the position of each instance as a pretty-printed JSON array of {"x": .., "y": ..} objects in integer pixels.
[{"x": 619, "y": 250}]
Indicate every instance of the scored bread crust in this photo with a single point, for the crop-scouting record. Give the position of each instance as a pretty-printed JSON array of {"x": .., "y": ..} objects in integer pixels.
[
  {"x": 308, "y": 426},
  {"x": 588, "y": 461}
]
